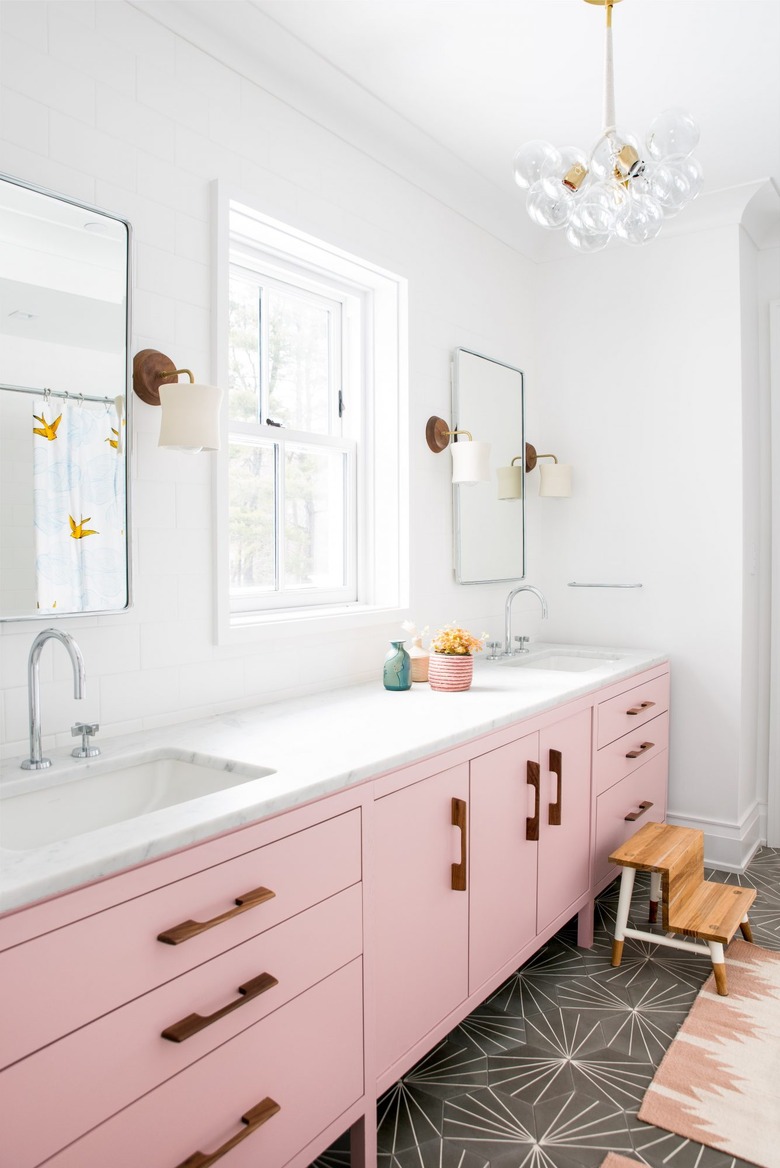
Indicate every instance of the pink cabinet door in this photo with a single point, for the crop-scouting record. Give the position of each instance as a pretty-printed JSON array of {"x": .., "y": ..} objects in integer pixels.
[
  {"x": 422, "y": 921},
  {"x": 564, "y": 828},
  {"x": 503, "y": 858}
]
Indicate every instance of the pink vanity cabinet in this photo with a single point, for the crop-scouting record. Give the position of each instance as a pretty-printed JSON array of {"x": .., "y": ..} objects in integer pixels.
[
  {"x": 482, "y": 853},
  {"x": 209, "y": 1002},
  {"x": 245, "y": 1000},
  {"x": 472, "y": 865}
]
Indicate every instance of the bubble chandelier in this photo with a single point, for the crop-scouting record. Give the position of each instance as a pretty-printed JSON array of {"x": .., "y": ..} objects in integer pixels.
[{"x": 615, "y": 191}]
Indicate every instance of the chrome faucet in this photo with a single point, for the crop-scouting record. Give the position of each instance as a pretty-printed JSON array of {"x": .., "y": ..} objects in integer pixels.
[
  {"x": 35, "y": 762},
  {"x": 508, "y": 613}
]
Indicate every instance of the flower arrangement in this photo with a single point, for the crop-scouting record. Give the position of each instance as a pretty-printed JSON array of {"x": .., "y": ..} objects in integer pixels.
[{"x": 456, "y": 642}]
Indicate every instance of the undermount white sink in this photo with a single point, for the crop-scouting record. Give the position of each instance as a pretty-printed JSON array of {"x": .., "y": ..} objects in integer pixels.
[
  {"x": 100, "y": 798},
  {"x": 571, "y": 662}
]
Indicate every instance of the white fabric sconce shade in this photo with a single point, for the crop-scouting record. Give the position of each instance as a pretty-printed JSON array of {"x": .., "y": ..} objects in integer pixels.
[
  {"x": 555, "y": 480},
  {"x": 190, "y": 416},
  {"x": 470, "y": 459},
  {"x": 510, "y": 480},
  {"x": 190, "y": 412}
]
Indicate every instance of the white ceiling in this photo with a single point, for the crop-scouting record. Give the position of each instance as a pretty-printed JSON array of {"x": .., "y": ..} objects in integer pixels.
[{"x": 444, "y": 91}]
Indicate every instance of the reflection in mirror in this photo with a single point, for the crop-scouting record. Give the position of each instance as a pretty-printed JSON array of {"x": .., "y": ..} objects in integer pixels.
[
  {"x": 489, "y": 538},
  {"x": 64, "y": 296}
]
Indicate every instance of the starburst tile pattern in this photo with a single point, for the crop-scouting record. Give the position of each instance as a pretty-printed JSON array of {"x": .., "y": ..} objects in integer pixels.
[{"x": 550, "y": 1071}]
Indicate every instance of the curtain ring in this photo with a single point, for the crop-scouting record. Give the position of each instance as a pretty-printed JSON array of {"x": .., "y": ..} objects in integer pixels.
[
  {"x": 81, "y": 400},
  {"x": 46, "y": 395}
]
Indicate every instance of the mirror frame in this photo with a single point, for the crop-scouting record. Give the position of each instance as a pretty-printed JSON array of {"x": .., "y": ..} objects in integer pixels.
[
  {"x": 459, "y": 420},
  {"x": 91, "y": 209}
]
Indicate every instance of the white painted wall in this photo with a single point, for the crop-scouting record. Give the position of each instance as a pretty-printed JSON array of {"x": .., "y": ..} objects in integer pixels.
[
  {"x": 641, "y": 353},
  {"x": 100, "y": 103},
  {"x": 635, "y": 364}
]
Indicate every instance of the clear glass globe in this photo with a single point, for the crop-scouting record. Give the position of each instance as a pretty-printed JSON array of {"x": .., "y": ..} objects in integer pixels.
[
  {"x": 604, "y": 158},
  {"x": 550, "y": 203},
  {"x": 641, "y": 220},
  {"x": 656, "y": 183},
  {"x": 531, "y": 159},
  {"x": 582, "y": 238},
  {"x": 672, "y": 132},
  {"x": 568, "y": 157},
  {"x": 599, "y": 207},
  {"x": 690, "y": 169}
]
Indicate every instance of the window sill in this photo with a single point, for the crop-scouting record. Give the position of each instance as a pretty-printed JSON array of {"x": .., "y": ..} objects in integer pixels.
[{"x": 251, "y": 628}]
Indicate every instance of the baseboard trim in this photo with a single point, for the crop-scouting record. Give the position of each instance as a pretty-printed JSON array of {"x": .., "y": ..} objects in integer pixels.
[{"x": 729, "y": 846}]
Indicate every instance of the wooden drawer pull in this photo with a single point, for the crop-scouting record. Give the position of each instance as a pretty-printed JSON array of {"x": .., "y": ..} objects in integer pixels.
[
  {"x": 643, "y": 807},
  {"x": 554, "y": 809},
  {"x": 636, "y": 753},
  {"x": 532, "y": 822},
  {"x": 642, "y": 706},
  {"x": 459, "y": 820},
  {"x": 181, "y": 1031},
  {"x": 254, "y": 1118},
  {"x": 188, "y": 929}
]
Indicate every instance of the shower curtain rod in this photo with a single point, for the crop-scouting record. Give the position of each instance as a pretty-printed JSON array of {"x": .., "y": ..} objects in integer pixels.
[{"x": 63, "y": 393}]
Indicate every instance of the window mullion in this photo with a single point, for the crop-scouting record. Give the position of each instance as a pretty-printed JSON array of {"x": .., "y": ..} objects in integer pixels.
[{"x": 279, "y": 493}]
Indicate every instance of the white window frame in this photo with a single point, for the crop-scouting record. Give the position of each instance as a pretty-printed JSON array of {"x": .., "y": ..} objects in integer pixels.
[
  {"x": 381, "y": 567},
  {"x": 343, "y": 309}
]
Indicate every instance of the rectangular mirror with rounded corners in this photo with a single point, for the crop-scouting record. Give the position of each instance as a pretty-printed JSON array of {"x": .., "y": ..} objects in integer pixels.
[
  {"x": 489, "y": 532},
  {"x": 64, "y": 406}
]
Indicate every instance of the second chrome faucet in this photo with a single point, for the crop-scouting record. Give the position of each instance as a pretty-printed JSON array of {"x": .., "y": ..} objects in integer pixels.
[{"x": 507, "y": 652}]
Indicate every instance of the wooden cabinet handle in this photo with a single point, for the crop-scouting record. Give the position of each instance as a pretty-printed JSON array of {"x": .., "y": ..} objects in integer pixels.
[
  {"x": 641, "y": 750},
  {"x": 254, "y": 1118},
  {"x": 459, "y": 820},
  {"x": 554, "y": 809},
  {"x": 532, "y": 779},
  {"x": 193, "y": 1023},
  {"x": 643, "y": 807},
  {"x": 642, "y": 706},
  {"x": 188, "y": 929}
]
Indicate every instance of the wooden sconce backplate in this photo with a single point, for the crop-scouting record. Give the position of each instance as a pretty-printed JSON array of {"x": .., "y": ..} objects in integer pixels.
[{"x": 150, "y": 367}]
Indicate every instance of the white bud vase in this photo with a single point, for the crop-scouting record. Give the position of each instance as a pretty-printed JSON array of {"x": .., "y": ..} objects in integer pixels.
[{"x": 420, "y": 658}]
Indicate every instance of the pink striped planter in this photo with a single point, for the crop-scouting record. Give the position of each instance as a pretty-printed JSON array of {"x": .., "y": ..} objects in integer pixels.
[{"x": 450, "y": 671}]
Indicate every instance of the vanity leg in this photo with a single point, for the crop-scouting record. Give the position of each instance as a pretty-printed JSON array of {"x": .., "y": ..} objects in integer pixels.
[
  {"x": 585, "y": 925},
  {"x": 362, "y": 1142}
]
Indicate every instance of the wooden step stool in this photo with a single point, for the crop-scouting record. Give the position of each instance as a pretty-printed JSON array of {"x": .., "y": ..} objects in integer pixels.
[{"x": 691, "y": 905}]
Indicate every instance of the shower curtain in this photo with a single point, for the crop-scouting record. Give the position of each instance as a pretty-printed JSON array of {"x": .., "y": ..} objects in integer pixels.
[{"x": 79, "y": 506}]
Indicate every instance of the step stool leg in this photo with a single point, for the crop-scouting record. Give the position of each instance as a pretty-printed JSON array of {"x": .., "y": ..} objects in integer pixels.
[
  {"x": 655, "y": 896},
  {"x": 719, "y": 967},
  {"x": 624, "y": 905},
  {"x": 745, "y": 929}
]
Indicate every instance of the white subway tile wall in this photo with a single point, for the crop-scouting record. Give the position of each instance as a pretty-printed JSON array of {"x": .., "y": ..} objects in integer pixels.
[{"x": 102, "y": 103}]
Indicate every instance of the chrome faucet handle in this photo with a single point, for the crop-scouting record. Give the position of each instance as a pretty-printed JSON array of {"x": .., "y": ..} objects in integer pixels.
[
  {"x": 85, "y": 729},
  {"x": 495, "y": 651},
  {"x": 521, "y": 643}
]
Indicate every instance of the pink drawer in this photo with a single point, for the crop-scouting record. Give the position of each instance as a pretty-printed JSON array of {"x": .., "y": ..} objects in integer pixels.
[
  {"x": 615, "y": 761},
  {"x": 79, "y": 1082},
  {"x": 646, "y": 785},
  {"x": 68, "y": 977},
  {"x": 622, "y": 714},
  {"x": 307, "y": 1057}
]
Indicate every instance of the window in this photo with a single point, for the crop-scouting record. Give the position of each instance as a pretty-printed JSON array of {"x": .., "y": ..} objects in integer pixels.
[{"x": 313, "y": 359}]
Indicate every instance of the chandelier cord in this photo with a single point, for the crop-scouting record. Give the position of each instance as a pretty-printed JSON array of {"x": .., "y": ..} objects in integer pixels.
[{"x": 609, "y": 77}]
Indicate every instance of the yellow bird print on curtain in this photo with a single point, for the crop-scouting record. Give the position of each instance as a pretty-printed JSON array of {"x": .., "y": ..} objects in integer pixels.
[
  {"x": 113, "y": 442},
  {"x": 78, "y": 530},
  {"x": 47, "y": 431}
]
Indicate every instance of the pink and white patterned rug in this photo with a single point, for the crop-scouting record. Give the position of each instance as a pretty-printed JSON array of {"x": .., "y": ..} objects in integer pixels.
[
  {"x": 719, "y": 1081},
  {"x": 613, "y": 1160}
]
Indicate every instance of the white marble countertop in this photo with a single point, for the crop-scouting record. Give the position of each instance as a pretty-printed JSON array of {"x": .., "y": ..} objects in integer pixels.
[{"x": 314, "y": 746}]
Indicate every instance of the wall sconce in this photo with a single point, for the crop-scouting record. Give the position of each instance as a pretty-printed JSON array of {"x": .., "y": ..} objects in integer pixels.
[
  {"x": 555, "y": 480},
  {"x": 470, "y": 460},
  {"x": 190, "y": 412}
]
